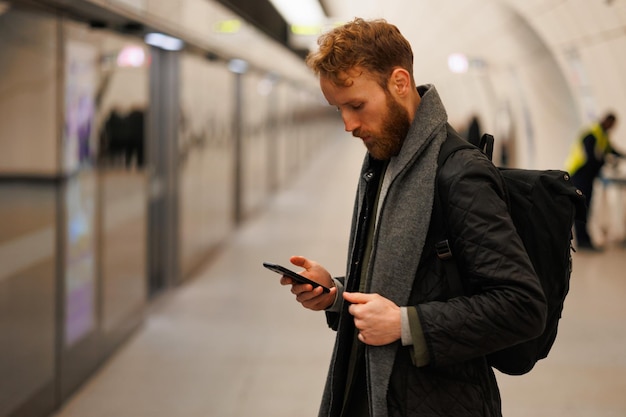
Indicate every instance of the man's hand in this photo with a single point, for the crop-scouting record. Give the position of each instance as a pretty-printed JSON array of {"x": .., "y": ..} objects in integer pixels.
[
  {"x": 376, "y": 317},
  {"x": 312, "y": 298}
]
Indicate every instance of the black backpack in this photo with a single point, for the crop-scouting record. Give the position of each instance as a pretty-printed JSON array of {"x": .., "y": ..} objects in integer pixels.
[{"x": 543, "y": 206}]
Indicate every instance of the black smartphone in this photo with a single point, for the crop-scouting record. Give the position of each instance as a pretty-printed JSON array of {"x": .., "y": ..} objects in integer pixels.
[{"x": 293, "y": 275}]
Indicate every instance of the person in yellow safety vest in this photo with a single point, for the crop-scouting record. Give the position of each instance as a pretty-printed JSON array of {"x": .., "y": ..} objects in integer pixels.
[{"x": 584, "y": 163}]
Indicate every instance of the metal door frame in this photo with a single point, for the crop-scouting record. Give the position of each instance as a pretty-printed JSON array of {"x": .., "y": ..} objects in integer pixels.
[{"x": 162, "y": 156}]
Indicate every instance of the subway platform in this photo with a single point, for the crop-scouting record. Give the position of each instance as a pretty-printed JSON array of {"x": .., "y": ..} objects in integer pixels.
[{"x": 232, "y": 342}]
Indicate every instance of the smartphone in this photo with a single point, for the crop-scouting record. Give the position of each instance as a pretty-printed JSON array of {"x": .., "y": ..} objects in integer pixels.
[{"x": 293, "y": 275}]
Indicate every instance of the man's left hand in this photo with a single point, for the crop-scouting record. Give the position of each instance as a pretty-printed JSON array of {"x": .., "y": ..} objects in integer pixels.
[{"x": 376, "y": 317}]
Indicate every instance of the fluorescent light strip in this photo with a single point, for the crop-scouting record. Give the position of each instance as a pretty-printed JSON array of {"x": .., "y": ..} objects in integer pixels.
[
  {"x": 300, "y": 12},
  {"x": 162, "y": 41}
]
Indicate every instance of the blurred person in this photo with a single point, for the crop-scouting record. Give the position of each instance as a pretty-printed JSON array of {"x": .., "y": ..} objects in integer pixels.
[
  {"x": 584, "y": 163},
  {"x": 473, "y": 131},
  {"x": 405, "y": 345}
]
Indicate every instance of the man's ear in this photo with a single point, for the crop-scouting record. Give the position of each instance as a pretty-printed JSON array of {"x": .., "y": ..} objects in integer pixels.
[{"x": 400, "y": 82}]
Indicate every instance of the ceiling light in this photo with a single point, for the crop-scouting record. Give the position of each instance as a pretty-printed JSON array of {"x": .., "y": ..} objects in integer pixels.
[
  {"x": 162, "y": 41},
  {"x": 238, "y": 66},
  {"x": 458, "y": 63},
  {"x": 306, "y": 30},
  {"x": 227, "y": 26},
  {"x": 300, "y": 12}
]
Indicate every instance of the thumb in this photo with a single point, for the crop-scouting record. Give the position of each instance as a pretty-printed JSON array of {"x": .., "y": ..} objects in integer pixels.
[
  {"x": 357, "y": 297},
  {"x": 301, "y": 261}
]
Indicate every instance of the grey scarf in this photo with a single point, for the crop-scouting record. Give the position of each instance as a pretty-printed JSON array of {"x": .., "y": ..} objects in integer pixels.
[{"x": 405, "y": 208}]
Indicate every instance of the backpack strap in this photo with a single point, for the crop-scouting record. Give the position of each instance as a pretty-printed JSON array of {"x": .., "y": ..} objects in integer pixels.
[
  {"x": 485, "y": 144},
  {"x": 453, "y": 143}
]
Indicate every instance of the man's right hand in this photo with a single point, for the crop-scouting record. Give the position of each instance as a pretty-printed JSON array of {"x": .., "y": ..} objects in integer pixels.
[{"x": 312, "y": 298}]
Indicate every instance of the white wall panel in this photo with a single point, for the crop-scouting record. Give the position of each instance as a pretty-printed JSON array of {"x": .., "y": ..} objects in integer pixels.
[
  {"x": 617, "y": 84},
  {"x": 554, "y": 116}
]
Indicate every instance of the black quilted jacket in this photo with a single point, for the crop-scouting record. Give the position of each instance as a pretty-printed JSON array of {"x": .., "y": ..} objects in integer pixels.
[{"x": 508, "y": 305}]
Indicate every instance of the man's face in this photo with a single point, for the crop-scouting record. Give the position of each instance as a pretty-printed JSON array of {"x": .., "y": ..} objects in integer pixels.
[{"x": 370, "y": 113}]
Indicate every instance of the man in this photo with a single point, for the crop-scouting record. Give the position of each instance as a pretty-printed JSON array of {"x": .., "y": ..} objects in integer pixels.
[
  {"x": 405, "y": 346},
  {"x": 584, "y": 163}
]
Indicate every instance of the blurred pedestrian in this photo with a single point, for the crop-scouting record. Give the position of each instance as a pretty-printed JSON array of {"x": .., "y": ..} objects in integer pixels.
[
  {"x": 586, "y": 159},
  {"x": 473, "y": 131}
]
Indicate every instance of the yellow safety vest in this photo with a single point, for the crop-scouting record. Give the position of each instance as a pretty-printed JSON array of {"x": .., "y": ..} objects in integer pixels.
[{"x": 577, "y": 156}]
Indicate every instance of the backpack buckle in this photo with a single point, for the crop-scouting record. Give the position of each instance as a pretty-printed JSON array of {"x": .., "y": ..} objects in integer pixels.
[{"x": 443, "y": 250}]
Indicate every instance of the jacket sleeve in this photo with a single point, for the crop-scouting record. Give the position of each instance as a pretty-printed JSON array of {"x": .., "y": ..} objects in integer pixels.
[
  {"x": 504, "y": 304},
  {"x": 333, "y": 312}
]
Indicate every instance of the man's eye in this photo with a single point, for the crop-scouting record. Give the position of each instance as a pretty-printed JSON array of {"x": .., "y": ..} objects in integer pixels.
[{"x": 357, "y": 106}]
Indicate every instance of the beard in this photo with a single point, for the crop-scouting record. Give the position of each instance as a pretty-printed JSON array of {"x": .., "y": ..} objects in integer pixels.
[{"x": 395, "y": 126}]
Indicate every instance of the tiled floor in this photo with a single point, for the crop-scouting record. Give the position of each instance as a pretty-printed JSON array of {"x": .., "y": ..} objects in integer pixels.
[{"x": 234, "y": 343}]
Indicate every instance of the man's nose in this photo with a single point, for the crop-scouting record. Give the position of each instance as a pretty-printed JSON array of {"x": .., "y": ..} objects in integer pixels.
[{"x": 350, "y": 123}]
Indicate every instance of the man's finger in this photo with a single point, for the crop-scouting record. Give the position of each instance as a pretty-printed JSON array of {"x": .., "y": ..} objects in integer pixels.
[{"x": 357, "y": 297}]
